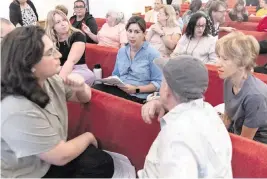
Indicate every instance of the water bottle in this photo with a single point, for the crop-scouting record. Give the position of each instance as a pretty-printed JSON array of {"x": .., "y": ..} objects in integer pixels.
[{"x": 98, "y": 72}]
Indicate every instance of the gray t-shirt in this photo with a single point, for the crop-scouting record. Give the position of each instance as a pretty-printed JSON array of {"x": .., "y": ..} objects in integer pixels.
[
  {"x": 28, "y": 130},
  {"x": 248, "y": 107}
]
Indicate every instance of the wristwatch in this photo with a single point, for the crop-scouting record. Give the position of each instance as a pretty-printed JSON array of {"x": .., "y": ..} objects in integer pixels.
[{"x": 137, "y": 90}]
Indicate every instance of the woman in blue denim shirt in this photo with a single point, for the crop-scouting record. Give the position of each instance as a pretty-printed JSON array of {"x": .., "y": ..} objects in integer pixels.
[{"x": 134, "y": 65}]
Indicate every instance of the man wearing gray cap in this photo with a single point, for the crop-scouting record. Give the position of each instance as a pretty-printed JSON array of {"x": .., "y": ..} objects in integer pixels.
[{"x": 193, "y": 141}]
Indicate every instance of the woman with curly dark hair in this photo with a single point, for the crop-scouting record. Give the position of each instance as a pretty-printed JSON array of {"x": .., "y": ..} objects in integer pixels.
[
  {"x": 34, "y": 119},
  {"x": 196, "y": 41}
]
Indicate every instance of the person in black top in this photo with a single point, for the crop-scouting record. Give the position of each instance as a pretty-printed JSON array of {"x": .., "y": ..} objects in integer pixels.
[
  {"x": 252, "y": 2},
  {"x": 263, "y": 50},
  {"x": 71, "y": 44},
  {"x": 82, "y": 16},
  {"x": 239, "y": 12},
  {"x": 23, "y": 13}
]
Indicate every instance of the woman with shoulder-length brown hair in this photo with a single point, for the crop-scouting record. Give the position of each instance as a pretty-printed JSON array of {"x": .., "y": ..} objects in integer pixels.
[
  {"x": 71, "y": 44},
  {"x": 23, "y": 13},
  {"x": 245, "y": 96},
  {"x": 239, "y": 12},
  {"x": 165, "y": 34}
]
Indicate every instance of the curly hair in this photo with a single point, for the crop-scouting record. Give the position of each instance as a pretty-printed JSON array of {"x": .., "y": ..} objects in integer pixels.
[
  {"x": 190, "y": 29},
  {"x": 21, "y": 50}
]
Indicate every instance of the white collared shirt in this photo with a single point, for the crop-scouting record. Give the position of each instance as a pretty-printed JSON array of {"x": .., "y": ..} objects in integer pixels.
[{"x": 193, "y": 143}]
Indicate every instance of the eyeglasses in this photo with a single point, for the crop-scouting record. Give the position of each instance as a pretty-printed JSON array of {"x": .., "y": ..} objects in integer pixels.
[
  {"x": 79, "y": 7},
  {"x": 52, "y": 52},
  {"x": 201, "y": 26}
]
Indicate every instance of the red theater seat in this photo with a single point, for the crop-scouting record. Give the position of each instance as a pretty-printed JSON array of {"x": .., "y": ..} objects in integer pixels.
[
  {"x": 254, "y": 19},
  {"x": 100, "y": 22},
  {"x": 105, "y": 56},
  {"x": 118, "y": 125},
  {"x": 262, "y": 59},
  {"x": 258, "y": 35},
  {"x": 148, "y": 24},
  {"x": 248, "y": 26}
]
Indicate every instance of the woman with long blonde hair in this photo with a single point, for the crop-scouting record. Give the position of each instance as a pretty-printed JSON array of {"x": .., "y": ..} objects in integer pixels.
[
  {"x": 165, "y": 34},
  {"x": 71, "y": 44}
]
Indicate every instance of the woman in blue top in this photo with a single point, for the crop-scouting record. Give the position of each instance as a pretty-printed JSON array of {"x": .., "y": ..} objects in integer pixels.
[{"x": 134, "y": 65}]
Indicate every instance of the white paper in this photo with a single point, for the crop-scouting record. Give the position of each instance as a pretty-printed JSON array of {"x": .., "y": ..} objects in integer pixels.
[
  {"x": 112, "y": 80},
  {"x": 122, "y": 166}
]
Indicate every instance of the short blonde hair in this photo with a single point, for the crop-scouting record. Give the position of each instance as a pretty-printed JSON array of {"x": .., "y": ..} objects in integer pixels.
[
  {"x": 240, "y": 48},
  {"x": 63, "y": 9},
  {"x": 50, "y": 23},
  {"x": 169, "y": 11}
]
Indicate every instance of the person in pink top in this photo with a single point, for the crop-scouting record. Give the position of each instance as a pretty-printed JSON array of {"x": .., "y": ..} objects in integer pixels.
[
  {"x": 165, "y": 34},
  {"x": 112, "y": 33}
]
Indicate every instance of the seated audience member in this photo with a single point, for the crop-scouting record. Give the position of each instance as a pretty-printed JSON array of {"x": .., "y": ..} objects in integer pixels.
[
  {"x": 71, "y": 44},
  {"x": 151, "y": 16},
  {"x": 193, "y": 141},
  {"x": 263, "y": 46},
  {"x": 194, "y": 7},
  {"x": 34, "y": 117},
  {"x": 63, "y": 9},
  {"x": 245, "y": 96},
  {"x": 135, "y": 65},
  {"x": 239, "y": 12},
  {"x": 6, "y": 27},
  {"x": 112, "y": 33},
  {"x": 262, "y": 12},
  {"x": 165, "y": 34},
  {"x": 196, "y": 41},
  {"x": 23, "y": 13},
  {"x": 263, "y": 50},
  {"x": 178, "y": 18},
  {"x": 252, "y": 3},
  {"x": 81, "y": 17},
  {"x": 216, "y": 17}
]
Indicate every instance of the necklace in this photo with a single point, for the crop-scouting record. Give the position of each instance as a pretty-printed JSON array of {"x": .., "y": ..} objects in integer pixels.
[{"x": 193, "y": 48}]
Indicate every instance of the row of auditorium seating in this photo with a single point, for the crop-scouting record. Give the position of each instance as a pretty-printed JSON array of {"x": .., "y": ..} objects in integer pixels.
[
  {"x": 231, "y": 4},
  {"x": 106, "y": 57},
  {"x": 249, "y": 26},
  {"x": 122, "y": 130}
]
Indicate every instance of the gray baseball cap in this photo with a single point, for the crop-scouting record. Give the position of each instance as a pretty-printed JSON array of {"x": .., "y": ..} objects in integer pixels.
[{"x": 185, "y": 75}]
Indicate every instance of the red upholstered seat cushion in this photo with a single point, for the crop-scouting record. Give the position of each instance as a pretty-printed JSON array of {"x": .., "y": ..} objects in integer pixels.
[
  {"x": 117, "y": 123},
  {"x": 105, "y": 56},
  {"x": 262, "y": 59},
  {"x": 148, "y": 24},
  {"x": 100, "y": 22},
  {"x": 254, "y": 19},
  {"x": 258, "y": 35},
  {"x": 249, "y": 26},
  {"x": 249, "y": 158}
]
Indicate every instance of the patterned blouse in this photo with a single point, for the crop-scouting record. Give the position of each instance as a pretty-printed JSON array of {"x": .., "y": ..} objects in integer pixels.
[
  {"x": 214, "y": 31},
  {"x": 28, "y": 16}
]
